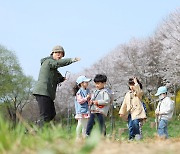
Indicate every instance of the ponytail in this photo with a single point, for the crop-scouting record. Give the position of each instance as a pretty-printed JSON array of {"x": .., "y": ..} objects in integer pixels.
[{"x": 75, "y": 89}]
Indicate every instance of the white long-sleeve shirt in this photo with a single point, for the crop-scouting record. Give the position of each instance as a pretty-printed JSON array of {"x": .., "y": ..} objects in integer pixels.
[{"x": 165, "y": 108}]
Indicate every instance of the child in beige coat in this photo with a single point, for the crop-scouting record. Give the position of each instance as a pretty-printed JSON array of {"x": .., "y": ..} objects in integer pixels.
[{"x": 132, "y": 109}]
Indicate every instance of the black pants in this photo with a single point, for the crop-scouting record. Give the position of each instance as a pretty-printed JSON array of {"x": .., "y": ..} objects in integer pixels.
[
  {"x": 91, "y": 123},
  {"x": 46, "y": 108}
]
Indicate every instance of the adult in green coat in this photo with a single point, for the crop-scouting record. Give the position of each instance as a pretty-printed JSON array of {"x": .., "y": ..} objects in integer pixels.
[{"x": 49, "y": 78}]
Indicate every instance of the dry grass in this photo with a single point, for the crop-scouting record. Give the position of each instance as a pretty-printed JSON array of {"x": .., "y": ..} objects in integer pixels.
[{"x": 148, "y": 146}]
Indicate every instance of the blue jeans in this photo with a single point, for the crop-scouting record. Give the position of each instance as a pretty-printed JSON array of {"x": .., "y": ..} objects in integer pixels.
[
  {"x": 91, "y": 123},
  {"x": 133, "y": 126},
  {"x": 162, "y": 128}
]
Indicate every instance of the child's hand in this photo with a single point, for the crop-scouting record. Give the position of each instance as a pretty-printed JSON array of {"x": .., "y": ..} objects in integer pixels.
[
  {"x": 124, "y": 117},
  {"x": 95, "y": 102},
  {"x": 88, "y": 97},
  {"x": 90, "y": 102},
  {"x": 157, "y": 112},
  {"x": 135, "y": 80}
]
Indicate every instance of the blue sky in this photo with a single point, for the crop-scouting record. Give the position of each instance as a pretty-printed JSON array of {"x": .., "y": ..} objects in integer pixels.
[{"x": 86, "y": 29}]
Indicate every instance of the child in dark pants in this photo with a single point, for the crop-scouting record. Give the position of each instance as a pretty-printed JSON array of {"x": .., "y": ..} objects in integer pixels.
[
  {"x": 99, "y": 105},
  {"x": 132, "y": 109}
]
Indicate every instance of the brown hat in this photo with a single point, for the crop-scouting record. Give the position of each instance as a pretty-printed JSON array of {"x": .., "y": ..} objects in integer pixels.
[{"x": 58, "y": 48}]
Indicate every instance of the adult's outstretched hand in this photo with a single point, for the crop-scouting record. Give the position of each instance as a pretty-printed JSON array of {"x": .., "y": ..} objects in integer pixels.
[{"x": 76, "y": 59}]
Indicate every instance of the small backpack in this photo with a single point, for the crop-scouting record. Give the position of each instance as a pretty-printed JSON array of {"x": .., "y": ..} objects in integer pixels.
[{"x": 111, "y": 95}]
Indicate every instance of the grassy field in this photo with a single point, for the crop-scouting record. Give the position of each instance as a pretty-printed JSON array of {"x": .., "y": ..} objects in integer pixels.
[{"x": 56, "y": 139}]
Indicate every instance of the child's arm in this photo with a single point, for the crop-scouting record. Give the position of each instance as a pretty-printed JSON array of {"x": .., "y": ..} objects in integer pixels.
[
  {"x": 81, "y": 99},
  {"x": 104, "y": 101},
  {"x": 138, "y": 91},
  {"x": 157, "y": 110},
  {"x": 123, "y": 109}
]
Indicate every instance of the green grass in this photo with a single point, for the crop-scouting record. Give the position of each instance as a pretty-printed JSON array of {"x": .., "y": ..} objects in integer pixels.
[
  {"x": 149, "y": 129},
  {"x": 57, "y": 139}
]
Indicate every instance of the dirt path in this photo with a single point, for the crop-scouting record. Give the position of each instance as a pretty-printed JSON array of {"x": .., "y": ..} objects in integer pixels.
[{"x": 170, "y": 146}]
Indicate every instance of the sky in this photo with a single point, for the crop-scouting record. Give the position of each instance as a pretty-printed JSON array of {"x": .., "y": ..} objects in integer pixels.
[{"x": 88, "y": 29}]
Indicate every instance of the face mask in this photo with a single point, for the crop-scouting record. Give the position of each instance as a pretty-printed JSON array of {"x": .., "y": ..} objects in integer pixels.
[{"x": 161, "y": 97}]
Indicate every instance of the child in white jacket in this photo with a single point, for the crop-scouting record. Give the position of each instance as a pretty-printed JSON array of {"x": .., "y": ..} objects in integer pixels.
[{"x": 164, "y": 111}]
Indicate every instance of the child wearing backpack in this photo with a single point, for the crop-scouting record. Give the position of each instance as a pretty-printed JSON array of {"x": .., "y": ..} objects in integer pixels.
[
  {"x": 82, "y": 97},
  {"x": 132, "y": 109},
  {"x": 99, "y": 105},
  {"x": 164, "y": 111}
]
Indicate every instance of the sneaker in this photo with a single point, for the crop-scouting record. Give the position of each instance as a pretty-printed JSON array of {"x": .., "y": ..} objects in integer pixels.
[{"x": 138, "y": 137}]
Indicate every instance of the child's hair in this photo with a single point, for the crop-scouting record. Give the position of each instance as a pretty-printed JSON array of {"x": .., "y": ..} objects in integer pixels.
[
  {"x": 75, "y": 89},
  {"x": 100, "y": 78},
  {"x": 131, "y": 82}
]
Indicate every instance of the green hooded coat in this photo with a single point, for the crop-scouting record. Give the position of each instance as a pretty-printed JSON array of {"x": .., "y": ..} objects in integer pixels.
[{"x": 49, "y": 76}]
